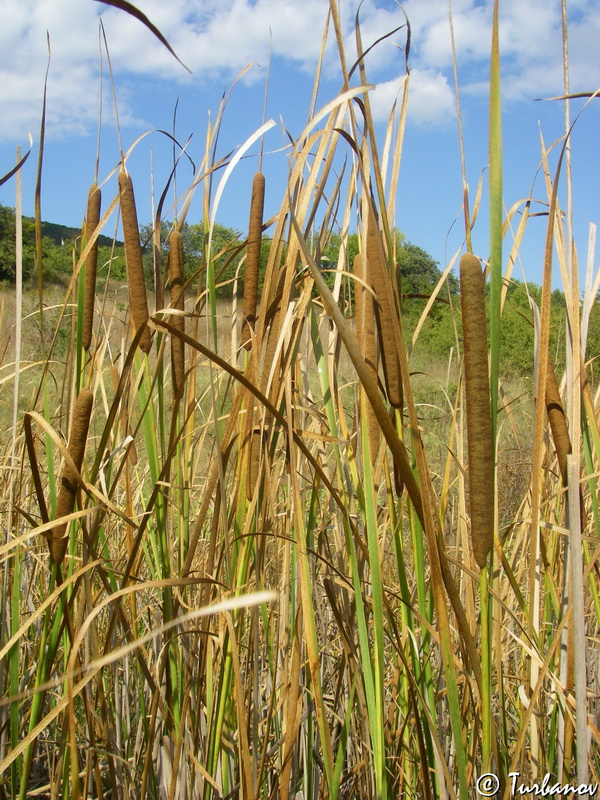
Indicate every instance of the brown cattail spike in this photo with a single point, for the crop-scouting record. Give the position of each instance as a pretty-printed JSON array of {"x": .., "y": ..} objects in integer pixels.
[
  {"x": 558, "y": 422},
  {"x": 68, "y": 484},
  {"x": 177, "y": 302},
  {"x": 92, "y": 218},
  {"x": 255, "y": 445},
  {"x": 479, "y": 419},
  {"x": 253, "y": 259},
  {"x": 381, "y": 281},
  {"x": 138, "y": 300}
]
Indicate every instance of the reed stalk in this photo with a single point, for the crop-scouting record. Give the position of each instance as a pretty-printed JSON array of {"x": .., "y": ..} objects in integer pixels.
[{"x": 176, "y": 282}]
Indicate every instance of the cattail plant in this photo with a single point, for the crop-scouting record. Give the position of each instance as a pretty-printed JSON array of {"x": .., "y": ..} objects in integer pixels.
[
  {"x": 133, "y": 260},
  {"x": 92, "y": 218},
  {"x": 253, "y": 259},
  {"x": 177, "y": 302},
  {"x": 479, "y": 420},
  {"x": 68, "y": 484},
  {"x": 139, "y": 669}
]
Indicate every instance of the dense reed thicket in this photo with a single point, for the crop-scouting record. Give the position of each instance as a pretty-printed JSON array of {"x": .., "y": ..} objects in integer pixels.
[{"x": 272, "y": 574}]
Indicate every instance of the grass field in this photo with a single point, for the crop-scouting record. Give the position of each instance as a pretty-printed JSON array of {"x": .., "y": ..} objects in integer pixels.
[{"x": 296, "y": 559}]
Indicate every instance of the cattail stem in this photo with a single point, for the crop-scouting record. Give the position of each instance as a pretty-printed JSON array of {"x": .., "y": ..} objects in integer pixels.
[
  {"x": 68, "y": 484},
  {"x": 251, "y": 272},
  {"x": 479, "y": 420},
  {"x": 92, "y": 218},
  {"x": 133, "y": 259}
]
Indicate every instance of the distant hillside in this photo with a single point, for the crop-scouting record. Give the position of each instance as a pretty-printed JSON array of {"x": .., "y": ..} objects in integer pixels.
[
  {"x": 62, "y": 234},
  {"x": 59, "y": 234},
  {"x": 57, "y": 249}
]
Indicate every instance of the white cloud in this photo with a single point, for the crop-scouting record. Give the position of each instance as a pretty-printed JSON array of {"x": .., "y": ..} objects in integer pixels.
[
  {"x": 217, "y": 38},
  {"x": 530, "y": 44},
  {"x": 430, "y": 99}
]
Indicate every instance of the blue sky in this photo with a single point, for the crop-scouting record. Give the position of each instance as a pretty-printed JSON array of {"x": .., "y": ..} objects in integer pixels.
[{"x": 217, "y": 39}]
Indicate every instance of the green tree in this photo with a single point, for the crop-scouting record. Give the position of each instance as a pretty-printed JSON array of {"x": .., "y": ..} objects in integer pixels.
[
  {"x": 331, "y": 251},
  {"x": 593, "y": 338},
  {"x": 57, "y": 261},
  {"x": 226, "y": 252},
  {"x": 7, "y": 245},
  {"x": 111, "y": 263},
  {"x": 418, "y": 272},
  {"x": 57, "y": 258}
]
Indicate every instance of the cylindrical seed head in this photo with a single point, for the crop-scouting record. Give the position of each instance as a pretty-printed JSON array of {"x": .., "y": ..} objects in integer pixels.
[
  {"x": 251, "y": 273},
  {"x": 68, "y": 484},
  {"x": 133, "y": 259},
  {"x": 558, "y": 422},
  {"x": 479, "y": 420},
  {"x": 92, "y": 218}
]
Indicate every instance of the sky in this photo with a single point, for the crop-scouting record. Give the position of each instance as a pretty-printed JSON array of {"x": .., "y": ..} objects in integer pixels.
[{"x": 220, "y": 39}]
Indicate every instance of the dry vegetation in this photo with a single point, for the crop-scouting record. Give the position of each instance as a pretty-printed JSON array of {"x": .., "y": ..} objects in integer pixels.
[{"x": 287, "y": 570}]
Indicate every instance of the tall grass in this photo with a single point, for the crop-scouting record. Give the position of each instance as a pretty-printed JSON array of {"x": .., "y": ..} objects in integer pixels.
[{"x": 270, "y": 578}]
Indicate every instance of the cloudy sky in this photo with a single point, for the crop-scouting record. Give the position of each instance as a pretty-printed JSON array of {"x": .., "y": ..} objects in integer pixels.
[{"x": 217, "y": 39}]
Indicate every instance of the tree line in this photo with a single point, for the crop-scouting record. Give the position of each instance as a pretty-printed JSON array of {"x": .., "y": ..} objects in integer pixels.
[{"x": 417, "y": 274}]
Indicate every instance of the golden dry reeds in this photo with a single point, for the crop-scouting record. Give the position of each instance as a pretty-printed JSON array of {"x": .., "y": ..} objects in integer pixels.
[
  {"x": 133, "y": 259},
  {"x": 253, "y": 259},
  {"x": 138, "y": 660},
  {"x": 68, "y": 483},
  {"x": 124, "y": 410},
  {"x": 178, "y": 303},
  {"x": 367, "y": 342},
  {"x": 479, "y": 420},
  {"x": 92, "y": 218}
]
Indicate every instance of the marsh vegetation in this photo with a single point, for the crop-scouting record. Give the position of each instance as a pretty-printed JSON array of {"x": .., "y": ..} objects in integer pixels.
[{"x": 278, "y": 560}]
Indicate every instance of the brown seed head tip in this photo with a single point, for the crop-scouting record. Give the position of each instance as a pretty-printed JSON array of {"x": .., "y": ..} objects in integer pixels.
[
  {"x": 85, "y": 400},
  {"x": 470, "y": 262},
  {"x": 94, "y": 197}
]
